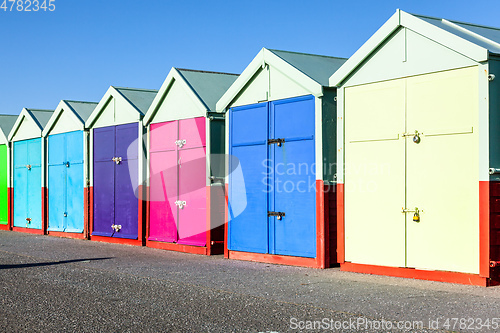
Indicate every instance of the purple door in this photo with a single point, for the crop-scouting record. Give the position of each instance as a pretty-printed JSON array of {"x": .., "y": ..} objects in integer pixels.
[{"x": 115, "y": 162}]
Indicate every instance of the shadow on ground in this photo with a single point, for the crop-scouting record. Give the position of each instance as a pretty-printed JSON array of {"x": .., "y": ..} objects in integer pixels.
[{"x": 40, "y": 264}]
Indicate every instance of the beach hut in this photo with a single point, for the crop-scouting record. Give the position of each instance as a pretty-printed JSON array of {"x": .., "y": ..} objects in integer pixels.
[
  {"x": 280, "y": 119},
  {"x": 28, "y": 170},
  {"x": 6, "y": 124},
  {"x": 67, "y": 166},
  {"x": 186, "y": 191},
  {"x": 418, "y": 135},
  {"x": 117, "y": 167}
]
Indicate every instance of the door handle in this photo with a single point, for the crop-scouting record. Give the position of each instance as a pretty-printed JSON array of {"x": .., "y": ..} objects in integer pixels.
[
  {"x": 416, "y": 136},
  {"x": 180, "y": 143},
  {"x": 180, "y": 204},
  {"x": 28, "y": 166},
  {"x": 279, "y": 215},
  {"x": 416, "y": 215},
  {"x": 279, "y": 142},
  {"x": 117, "y": 160},
  {"x": 67, "y": 164}
]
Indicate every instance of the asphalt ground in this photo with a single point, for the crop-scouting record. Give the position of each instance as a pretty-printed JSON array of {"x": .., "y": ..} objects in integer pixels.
[{"x": 50, "y": 284}]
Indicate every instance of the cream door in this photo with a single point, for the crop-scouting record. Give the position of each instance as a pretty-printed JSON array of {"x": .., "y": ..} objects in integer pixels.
[
  {"x": 375, "y": 174},
  {"x": 442, "y": 171}
]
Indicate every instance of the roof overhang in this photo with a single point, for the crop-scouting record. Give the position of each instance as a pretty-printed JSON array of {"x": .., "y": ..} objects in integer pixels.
[
  {"x": 403, "y": 19},
  {"x": 62, "y": 107},
  {"x": 263, "y": 58},
  {"x": 24, "y": 114},
  {"x": 109, "y": 95},
  {"x": 173, "y": 77}
]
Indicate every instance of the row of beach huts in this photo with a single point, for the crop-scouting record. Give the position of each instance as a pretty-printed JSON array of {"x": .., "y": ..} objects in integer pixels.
[{"x": 384, "y": 163}]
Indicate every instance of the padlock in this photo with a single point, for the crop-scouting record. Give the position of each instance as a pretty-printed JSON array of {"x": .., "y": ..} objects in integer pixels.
[
  {"x": 416, "y": 217},
  {"x": 416, "y": 138}
]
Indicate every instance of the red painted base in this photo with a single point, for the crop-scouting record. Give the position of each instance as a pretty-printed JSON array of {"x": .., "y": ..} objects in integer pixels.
[
  {"x": 10, "y": 203},
  {"x": 66, "y": 234},
  {"x": 178, "y": 247},
  {"x": 323, "y": 236},
  {"x": 275, "y": 259},
  {"x": 4, "y": 227},
  {"x": 45, "y": 220},
  {"x": 113, "y": 240},
  {"x": 410, "y": 273},
  {"x": 28, "y": 231}
]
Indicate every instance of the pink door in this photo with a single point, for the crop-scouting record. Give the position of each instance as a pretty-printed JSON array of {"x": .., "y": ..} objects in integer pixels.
[
  {"x": 192, "y": 190},
  {"x": 163, "y": 182},
  {"x": 178, "y": 182}
]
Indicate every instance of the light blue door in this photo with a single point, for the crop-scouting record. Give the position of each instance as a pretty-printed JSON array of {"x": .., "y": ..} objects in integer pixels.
[
  {"x": 28, "y": 184},
  {"x": 74, "y": 182},
  {"x": 20, "y": 178},
  {"x": 65, "y": 181}
]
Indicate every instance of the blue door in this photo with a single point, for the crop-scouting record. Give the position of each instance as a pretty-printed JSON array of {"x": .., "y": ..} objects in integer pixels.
[
  {"x": 273, "y": 144},
  {"x": 249, "y": 230},
  {"x": 293, "y": 178},
  {"x": 28, "y": 184},
  {"x": 65, "y": 171}
]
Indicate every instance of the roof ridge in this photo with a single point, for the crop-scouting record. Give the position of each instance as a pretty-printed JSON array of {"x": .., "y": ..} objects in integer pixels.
[
  {"x": 203, "y": 71},
  {"x": 42, "y": 110},
  {"x": 455, "y": 21},
  {"x": 310, "y": 54},
  {"x": 136, "y": 89},
  {"x": 82, "y": 102}
]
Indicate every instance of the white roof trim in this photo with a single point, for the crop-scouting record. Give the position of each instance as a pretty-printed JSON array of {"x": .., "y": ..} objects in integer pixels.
[
  {"x": 110, "y": 93},
  {"x": 261, "y": 59},
  {"x": 24, "y": 113},
  {"x": 403, "y": 19},
  {"x": 63, "y": 106},
  {"x": 172, "y": 77}
]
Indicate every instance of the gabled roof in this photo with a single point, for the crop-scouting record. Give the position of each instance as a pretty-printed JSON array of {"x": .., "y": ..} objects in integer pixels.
[
  {"x": 205, "y": 87},
  {"x": 209, "y": 86},
  {"x": 308, "y": 70},
  {"x": 473, "y": 41},
  {"x": 40, "y": 118},
  {"x": 80, "y": 110},
  {"x": 7, "y": 121},
  {"x": 317, "y": 67},
  {"x": 139, "y": 99}
]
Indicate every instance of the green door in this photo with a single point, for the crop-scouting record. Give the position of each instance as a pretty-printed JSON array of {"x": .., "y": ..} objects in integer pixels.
[{"x": 3, "y": 185}]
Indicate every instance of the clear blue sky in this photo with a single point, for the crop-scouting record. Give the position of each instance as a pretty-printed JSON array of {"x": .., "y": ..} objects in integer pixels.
[{"x": 83, "y": 47}]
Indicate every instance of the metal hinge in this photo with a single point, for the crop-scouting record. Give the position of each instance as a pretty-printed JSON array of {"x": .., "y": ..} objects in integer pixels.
[
  {"x": 277, "y": 141},
  {"x": 279, "y": 215},
  {"x": 214, "y": 179}
]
